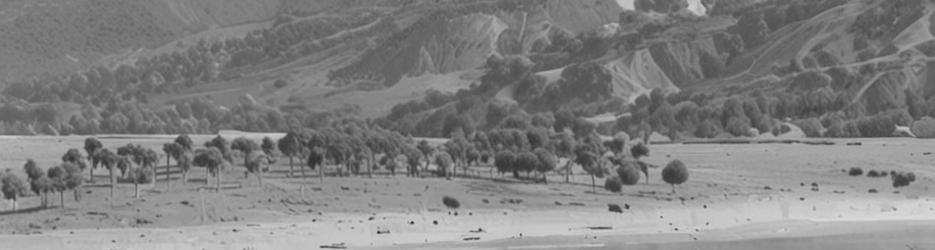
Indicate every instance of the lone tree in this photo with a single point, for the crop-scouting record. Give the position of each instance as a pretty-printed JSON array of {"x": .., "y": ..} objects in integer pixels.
[
  {"x": 675, "y": 173},
  {"x": 547, "y": 162},
  {"x": 12, "y": 188},
  {"x": 140, "y": 175},
  {"x": 212, "y": 159},
  {"x": 185, "y": 141},
  {"x": 628, "y": 173},
  {"x": 245, "y": 146},
  {"x": 91, "y": 146}
]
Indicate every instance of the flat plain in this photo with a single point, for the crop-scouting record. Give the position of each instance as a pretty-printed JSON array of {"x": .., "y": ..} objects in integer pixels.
[{"x": 763, "y": 195}]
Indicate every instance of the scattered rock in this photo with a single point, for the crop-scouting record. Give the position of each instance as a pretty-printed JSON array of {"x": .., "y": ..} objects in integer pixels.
[
  {"x": 485, "y": 200},
  {"x": 767, "y": 188},
  {"x": 435, "y": 222},
  {"x": 872, "y": 191}
]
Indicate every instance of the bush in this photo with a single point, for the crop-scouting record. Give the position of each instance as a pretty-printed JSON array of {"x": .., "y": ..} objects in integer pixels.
[
  {"x": 279, "y": 83},
  {"x": 639, "y": 150},
  {"x": 902, "y": 179},
  {"x": 450, "y": 202},
  {"x": 855, "y": 172},
  {"x": 613, "y": 184},
  {"x": 873, "y": 174},
  {"x": 614, "y": 208},
  {"x": 629, "y": 173},
  {"x": 675, "y": 173}
]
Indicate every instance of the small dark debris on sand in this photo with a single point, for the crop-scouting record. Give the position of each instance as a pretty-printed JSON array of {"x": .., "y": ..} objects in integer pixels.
[
  {"x": 478, "y": 230},
  {"x": 470, "y": 238},
  {"x": 854, "y": 144},
  {"x": 872, "y": 191}
]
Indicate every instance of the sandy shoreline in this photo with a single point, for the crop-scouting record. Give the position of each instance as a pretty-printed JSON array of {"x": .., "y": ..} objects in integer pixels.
[{"x": 726, "y": 221}]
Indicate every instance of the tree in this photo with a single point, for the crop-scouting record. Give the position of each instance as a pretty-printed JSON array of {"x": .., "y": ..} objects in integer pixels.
[
  {"x": 213, "y": 159},
  {"x": 637, "y": 151},
  {"x": 426, "y": 150},
  {"x": 547, "y": 162},
  {"x": 91, "y": 146},
  {"x": 140, "y": 175},
  {"x": 42, "y": 186},
  {"x": 12, "y": 188},
  {"x": 525, "y": 161},
  {"x": 628, "y": 173},
  {"x": 443, "y": 162},
  {"x": 223, "y": 146},
  {"x": 675, "y": 173},
  {"x": 268, "y": 146},
  {"x": 185, "y": 163},
  {"x": 413, "y": 157},
  {"x": 613, "y": 184},
  {"x": 245, "y": 146},
  {"x": 587, "y": 157},
  {"x": 185, "y": 141},
  {"x": 316, "y": 159},
  {"x": 109, "y": 160},
  {"x": 173, "y": 150},
  {"x": 504, "y": 161},
  {"x": 58, "y": 176},
  {"x": 73, "y": 179},
  {"x": 618, "y": 144},
  {"x": 291, "y": 145},
  {"x": 33, "y": 171}
]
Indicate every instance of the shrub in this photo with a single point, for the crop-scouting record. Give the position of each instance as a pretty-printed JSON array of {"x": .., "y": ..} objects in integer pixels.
[
  {"x": 629, "y": 173},
  {"x": 873, "y": 174},
  {"x": 613, "y": 184},
  {"x": 855, "y": 172},
  {"x": 614, "y": 208},
  {"x": 902, "y": 179},
  {"x": 279, "y": 83},
  {"x": 675, "y": 173},
  {"x": 450, "y": 202},
  {"x": 639, "y": 150}
]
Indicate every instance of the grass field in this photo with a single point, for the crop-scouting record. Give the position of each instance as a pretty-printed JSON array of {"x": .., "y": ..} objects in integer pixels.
[{"x": 731, "y": 186}]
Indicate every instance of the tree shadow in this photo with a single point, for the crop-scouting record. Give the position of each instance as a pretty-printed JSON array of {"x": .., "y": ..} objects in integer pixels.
[{"x": 24, "y": 211}]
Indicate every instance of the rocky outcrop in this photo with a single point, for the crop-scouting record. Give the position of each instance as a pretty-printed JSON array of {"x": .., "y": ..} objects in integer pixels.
[
  {"x": 684, "y": 61},
  {"x": 465, "y": 42},
  {"x": 637, "y": 74}
]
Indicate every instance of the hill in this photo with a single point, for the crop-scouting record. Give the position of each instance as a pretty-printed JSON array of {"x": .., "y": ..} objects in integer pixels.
[{"x": 265, "y": 65}]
